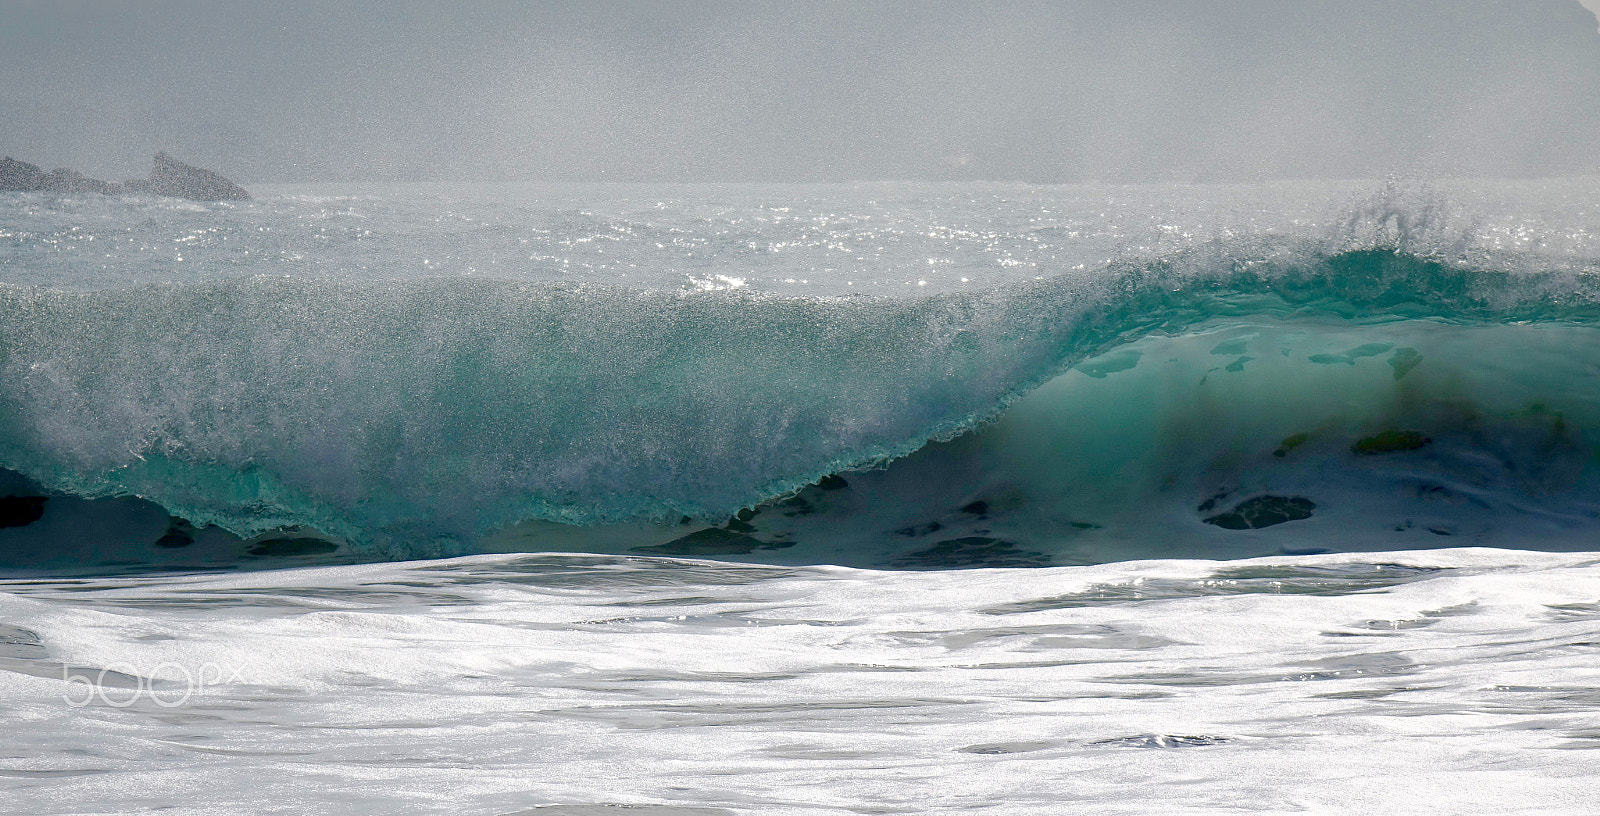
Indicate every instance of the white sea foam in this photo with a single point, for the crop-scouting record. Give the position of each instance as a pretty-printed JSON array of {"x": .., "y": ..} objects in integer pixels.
[{"x": 1448, "y": 681}]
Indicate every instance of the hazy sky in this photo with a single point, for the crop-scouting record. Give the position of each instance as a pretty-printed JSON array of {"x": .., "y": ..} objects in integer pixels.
[{"x": 745, "y": 91}]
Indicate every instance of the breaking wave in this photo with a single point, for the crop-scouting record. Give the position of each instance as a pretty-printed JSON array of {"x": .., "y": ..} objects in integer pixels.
[{"x": 418, "y": 417}]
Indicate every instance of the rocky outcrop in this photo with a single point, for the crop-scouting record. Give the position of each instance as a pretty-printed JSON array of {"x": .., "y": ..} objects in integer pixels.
[
  {"x": 1390, "y": 442},
  {"x": 62, "y": 180},
  {"x": 17, "y": 175},
  {"x": 20, "y": 511},
  {"x": 1264, "y": 511},
  {"x": 168, "y": 177},
  {"x": 969, "y": 553}
]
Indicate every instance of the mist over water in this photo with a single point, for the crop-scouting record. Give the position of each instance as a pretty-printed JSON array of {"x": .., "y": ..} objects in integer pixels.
[
  {"x": 662, "y": 408},
  {"x": 811, "y": 91}
]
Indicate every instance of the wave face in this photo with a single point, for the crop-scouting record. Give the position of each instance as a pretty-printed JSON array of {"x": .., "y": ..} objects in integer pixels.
[
  {"x": 1246, "y": 439},
  {"x": 424, "y": 415}
]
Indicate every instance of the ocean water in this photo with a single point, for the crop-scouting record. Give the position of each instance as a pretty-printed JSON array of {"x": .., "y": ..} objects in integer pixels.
[{"x": 889, "y": 498}]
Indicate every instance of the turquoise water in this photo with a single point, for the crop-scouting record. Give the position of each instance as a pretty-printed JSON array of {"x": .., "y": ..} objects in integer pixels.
[
  {"x": 249, "y": 383},
  {"x": 662, "y": 429}
]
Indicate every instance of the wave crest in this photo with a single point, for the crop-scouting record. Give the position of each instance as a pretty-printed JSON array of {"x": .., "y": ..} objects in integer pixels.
[{"x": 439, "y": 410}]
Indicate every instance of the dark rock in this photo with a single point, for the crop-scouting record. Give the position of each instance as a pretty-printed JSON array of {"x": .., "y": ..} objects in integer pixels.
[
  {"x": 20, "y": 176},
  {"x": 280, "y": 547},
  {"x": 171, "y": 177},
  {"x": 62, "y": 180},
  {"x": 1264, "y": 511},
  {"x": 1390, "y": 442},
  {"x": 976, "y": 508},
  {"x": 17, "y": 176},
  {"x": 180, "y": 533},
  {"x": 1289, "y": 443},
  {"x": 796, "y": 506},
  {"x": 168, "y": 177},
  {"x": 969, "y": 552},
  {"x": 710, "y": 541},
  {"x": 174, "y": 539},
  {"x": 20, "y": 511},
  {"x": 833, "y": 483}
]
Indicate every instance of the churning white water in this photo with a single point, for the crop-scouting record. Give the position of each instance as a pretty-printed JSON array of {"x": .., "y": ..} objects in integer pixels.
[{"x": 1445, "y": 681}]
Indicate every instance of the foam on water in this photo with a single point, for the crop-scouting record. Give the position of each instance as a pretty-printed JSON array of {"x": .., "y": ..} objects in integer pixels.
[{"x": 1448, "y": 681}]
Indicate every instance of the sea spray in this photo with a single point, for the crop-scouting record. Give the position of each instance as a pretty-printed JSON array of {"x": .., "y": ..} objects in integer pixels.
[{"x": 417, "y": 414}]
